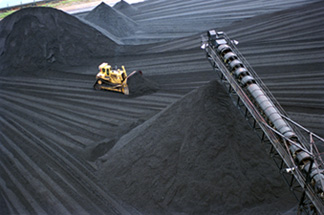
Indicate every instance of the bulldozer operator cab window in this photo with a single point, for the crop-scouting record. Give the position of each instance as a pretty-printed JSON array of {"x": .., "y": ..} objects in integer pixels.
[{"x": 104, "y": 71}]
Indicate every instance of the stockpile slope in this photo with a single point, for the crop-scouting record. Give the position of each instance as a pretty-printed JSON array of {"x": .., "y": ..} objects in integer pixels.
[
  {"x": 286, "y": 49},
  {"x": 196, "y": 157},
  {"x": 191, "y": 16},
  {"x": 35, "y": 38},
  {"x": 162, "y": 20},
  {"x": 53, "y": 127},
  {"x": 111, "y": 20}
]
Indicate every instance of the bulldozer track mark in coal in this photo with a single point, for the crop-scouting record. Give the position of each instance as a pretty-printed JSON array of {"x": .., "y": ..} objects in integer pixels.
[
  {"x": 33, "y": 108},
  {"x": 79, "y": 179},
  {"x": 43, "y": 179}
]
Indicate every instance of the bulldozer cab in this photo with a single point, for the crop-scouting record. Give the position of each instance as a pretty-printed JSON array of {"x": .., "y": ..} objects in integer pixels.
[
  {"x": 114, "y": 76},
  {"x": 105, "y": 69}
]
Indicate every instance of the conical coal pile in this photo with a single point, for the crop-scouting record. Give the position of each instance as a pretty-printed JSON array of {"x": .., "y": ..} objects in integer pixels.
[
  {"x": 35, "y": 38},
  {"x": 125, "y": 8},
  {"x": 197, "y": 156},
  {"x": 111, "y": 20}
]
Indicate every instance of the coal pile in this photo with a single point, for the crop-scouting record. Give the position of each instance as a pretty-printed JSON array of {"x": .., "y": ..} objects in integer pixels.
[
  {"x": 111, "y": 20},
  {"x": 125, "y": 8},
  {"x": 35, "y": 38},
  {"x": 140, "y": 85},
  {"x": 68, "y": 149},
  {"x": 198, "y": 156}
]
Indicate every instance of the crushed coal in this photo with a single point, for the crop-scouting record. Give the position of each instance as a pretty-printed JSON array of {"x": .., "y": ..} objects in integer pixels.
[
  {"x": 111, "y": 20},
  {"x": 125, "y": 8},
  {"x": 93, "y": 152},
  {"x": 35, "y": 38},
  {"x": 198, "y": 156},
  {"x": 140, "y": 85}
]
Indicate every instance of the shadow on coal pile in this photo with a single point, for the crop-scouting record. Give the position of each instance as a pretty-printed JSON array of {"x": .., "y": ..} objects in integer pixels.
[{"x": 196, "y": 157}]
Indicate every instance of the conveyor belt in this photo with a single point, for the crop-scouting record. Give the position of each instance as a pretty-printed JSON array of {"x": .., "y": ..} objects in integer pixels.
[{"x": 296, "y": 156}]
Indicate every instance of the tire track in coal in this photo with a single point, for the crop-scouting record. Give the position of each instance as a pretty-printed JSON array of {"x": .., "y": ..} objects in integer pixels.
[
  {"x": 22, "y": 106},
  {"x": 42, "y": 182},
  {"x": 167, "y": 9},
  {"x": 100, "y": 202},
  {"x": 178, "y": 17},
  {"x": 66, "y": 110},
  {"x": 27, "y": 124},
  {"x": 99, "y": 99},
  {"x": 51, "y": 110},
  {"x": 50, "y": 117},
  {"x": 37, "y": 116},
  {"x": 38, "y": 122}
]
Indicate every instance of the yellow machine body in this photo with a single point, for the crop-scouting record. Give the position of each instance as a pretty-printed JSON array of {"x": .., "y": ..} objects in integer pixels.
[{"x": 112, "y": 79}]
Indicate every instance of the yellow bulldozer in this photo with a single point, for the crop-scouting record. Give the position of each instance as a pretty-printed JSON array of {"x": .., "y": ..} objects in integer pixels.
[{"x": 112, "y": 79}]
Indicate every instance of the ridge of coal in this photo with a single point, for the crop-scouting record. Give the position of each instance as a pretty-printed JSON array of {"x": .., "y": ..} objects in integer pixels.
[
  {"x": 198, "y": 156},
  {"x": 125, "y": 8},
  {"x": 111, "y": 20},
  {"x": 35, "y": 38}
]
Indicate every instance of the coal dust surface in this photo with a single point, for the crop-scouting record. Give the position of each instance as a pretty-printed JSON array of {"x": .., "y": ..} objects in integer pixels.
[
  {"x": 198, "y": 156},
  {"x": 140, "y": 85},
  {"x": 125, "y": 8},
  {"x": 111, "y": 20},
  {"x": 176, "y": 144},
  {"x": 36, "y": 38}
]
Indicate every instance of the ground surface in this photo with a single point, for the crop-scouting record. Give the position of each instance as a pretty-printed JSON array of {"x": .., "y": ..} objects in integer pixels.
[{"x": 181, "y": 148}]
